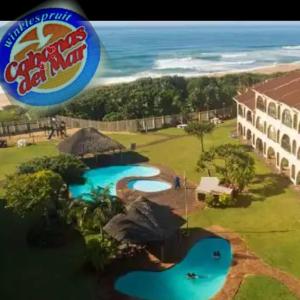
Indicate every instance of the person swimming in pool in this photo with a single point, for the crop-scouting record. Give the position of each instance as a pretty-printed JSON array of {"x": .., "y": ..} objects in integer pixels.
[
  {"x": 192, "y": 276},
  {"x": 217, "y": 255}
]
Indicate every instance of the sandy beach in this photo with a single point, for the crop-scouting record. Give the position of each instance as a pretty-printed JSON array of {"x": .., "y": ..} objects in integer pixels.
[
  {"x": 262, "y": 70},
  {"x": 3, "y": 100}
]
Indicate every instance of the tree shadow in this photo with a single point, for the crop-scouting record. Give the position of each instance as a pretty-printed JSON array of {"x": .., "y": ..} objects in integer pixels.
[
  {"x": 124, "y": 158},
  {"x": 268, "y": 185},
  {"x": 262, "y": 187}
]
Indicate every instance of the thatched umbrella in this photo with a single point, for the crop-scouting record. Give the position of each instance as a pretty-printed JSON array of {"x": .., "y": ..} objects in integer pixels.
[
  {"x": 89, "y": 141},
  {"x": 144, "y": 222}
]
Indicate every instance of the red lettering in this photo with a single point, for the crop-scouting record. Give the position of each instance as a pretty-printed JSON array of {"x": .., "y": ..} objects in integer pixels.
[
  {"x": 10, "y": 73},
  {"x": 31, "y": 70}
]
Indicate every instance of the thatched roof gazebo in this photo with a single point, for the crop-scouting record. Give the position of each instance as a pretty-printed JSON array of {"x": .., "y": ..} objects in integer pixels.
[
  {"x": 89, "y": 141},
  {"x": 144, "y": 222}
]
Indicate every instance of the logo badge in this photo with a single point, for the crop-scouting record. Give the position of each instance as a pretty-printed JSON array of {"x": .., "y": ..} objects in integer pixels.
[{"x": 48, "y": 57}]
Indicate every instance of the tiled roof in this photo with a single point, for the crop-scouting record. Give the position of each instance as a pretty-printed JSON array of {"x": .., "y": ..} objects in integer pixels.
[
  {"x": 247, "y": 98},
  {"x": 285, "y": 89}
]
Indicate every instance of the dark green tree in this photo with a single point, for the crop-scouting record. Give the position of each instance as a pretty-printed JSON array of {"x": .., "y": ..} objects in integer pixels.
[
  {"x": 69, "y": 167},
  {"x": 35, "y": 192}
]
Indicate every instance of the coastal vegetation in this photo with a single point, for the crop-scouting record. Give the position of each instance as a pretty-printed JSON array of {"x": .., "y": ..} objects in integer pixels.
[
  {"x": 12, "y": 113},
  {"x": 159, "y": 96},
  {"x": 146, "y": 97}
]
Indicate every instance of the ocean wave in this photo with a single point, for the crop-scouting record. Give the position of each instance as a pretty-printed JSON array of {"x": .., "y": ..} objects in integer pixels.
[
  {"x": 153, "y": 74},
  {"x": 190, "y": 63},
  {"x": 291, "y": 47},
  {"x": 234, "y": 55}
]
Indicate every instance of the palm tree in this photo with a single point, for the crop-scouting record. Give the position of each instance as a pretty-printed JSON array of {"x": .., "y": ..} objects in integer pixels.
[
  {"x": 206, "y": 161},
  {"x": 199, "y": 129},
  {"x": 94, "y": 213}
]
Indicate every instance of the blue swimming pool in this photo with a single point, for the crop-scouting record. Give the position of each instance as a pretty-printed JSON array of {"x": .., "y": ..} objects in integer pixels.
[
  {"x": 108, "y": 177},
  {"x": 148, "y": 186},
  {"x": 173, "y": 284}
]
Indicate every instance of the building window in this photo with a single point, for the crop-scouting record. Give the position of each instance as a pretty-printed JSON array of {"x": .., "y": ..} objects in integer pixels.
[
  {"x": 287, "y": 118},
  {"x": 295, "y": 122},
  {"x": 272, "y": 110},
  {"x": 240, "y": 129},
  {"x": 240, "y": 110},
  {"x": 294, "y": 147},
  {"x": 260, "y": 104},
  {"x": 298, "y": 178},
  {"x": 271, "y": 153},
  {"x": 272, "y": 133},
  {"x": 293, "y": 171},
  {"x": 285, "y": 143},
  {"x": 259, "y": 124},
  {"x": 249, "y": 135},
  {"x": 249, "y": 116},
  {"x": 259, "y": 145}
]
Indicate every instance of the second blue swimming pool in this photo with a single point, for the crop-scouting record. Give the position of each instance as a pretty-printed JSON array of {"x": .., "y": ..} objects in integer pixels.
[{"x": 173, "y": 283}]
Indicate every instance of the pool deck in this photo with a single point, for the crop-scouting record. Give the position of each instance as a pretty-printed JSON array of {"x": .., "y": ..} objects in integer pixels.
[{"x": 175, "y": 199}]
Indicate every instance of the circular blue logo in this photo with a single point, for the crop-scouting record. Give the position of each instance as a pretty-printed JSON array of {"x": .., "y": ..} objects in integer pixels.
[{"x": 48, "y": 57}]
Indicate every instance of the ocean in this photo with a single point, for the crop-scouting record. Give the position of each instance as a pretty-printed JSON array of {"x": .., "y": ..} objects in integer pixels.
[
  {"x": 135, "y": 52},
  {"x": 132, "y": 51}
]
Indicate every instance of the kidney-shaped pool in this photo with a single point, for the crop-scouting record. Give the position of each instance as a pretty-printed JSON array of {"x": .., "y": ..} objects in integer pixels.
[
  {"x": 174, "y": 284},
  {"x": 108, "y": 177}
]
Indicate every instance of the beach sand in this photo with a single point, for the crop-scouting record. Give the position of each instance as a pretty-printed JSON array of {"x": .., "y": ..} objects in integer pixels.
[
  {"x": 3, "y": 100},
  {"x": 263, "y": 70}
]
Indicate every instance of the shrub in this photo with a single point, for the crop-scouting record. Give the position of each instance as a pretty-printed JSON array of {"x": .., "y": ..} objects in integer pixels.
[
  {"x": 100, "y": 251},
  {"x": 223, "y": 200},
  {"x": 227, "y": 200},
  {"x": 69, "y": 167},
  {"x": 35, "y": 192},
  {"x": 211, "y": 200}
]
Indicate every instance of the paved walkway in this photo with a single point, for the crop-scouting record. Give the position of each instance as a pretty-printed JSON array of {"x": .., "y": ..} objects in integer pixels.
[{"x": 176, "y": 199}]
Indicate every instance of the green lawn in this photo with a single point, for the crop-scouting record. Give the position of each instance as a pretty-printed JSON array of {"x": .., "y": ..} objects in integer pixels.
[
  {"x": 262, "y": 288},
  {"x": 270, "y": 222},
  {"x": 11, "y": 157}
]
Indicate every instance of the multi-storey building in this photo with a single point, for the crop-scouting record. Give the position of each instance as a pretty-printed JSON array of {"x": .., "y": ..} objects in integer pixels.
[{"x": 268, "y": 117}]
